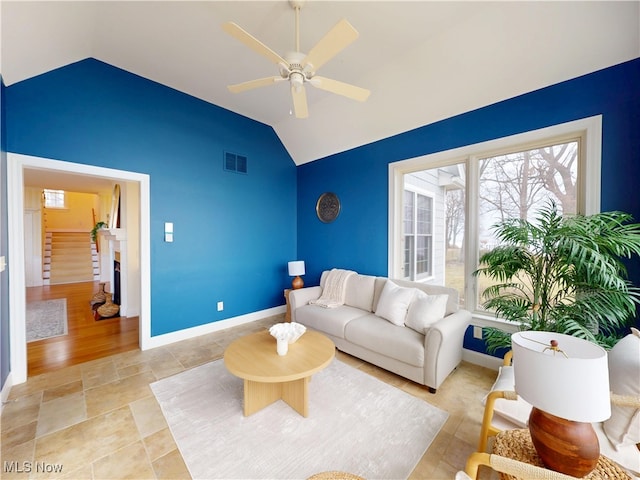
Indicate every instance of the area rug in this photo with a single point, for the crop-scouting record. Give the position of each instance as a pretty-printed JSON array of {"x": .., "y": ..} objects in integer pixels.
[
  {"x": 356, "y": 424},
  {"x": 46, "y": 319}
]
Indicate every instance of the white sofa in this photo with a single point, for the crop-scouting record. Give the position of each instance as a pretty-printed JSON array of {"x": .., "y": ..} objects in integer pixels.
[{"x": 426, "y": 352}]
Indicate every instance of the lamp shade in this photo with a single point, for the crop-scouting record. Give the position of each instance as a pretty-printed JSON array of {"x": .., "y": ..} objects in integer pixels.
[
  {"x": 574, "y": 387},
  {"x": 296, "y": 268}
]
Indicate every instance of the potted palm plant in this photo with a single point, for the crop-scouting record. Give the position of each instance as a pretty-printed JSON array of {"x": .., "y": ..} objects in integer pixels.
[{"x": 562, "y": 274}]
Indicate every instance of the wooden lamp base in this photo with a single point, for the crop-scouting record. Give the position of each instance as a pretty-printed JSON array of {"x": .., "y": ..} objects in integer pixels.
[
  {"x": 297, "y": 283},
  {"x": 563, "y": 445}
]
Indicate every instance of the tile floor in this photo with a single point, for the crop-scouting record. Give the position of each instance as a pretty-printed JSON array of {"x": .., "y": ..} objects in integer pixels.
[{"x": 100, "y": 420}]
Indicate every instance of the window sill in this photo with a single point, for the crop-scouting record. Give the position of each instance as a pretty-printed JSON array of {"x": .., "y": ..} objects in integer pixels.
[{"x": 485, "y": 320}]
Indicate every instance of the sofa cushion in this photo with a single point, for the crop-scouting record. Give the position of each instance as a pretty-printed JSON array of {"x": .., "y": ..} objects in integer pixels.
[
  {"x": 328, "y": 320},
  {"x": 394, "y": 303},
  {"x": 452, "y": 302},
  {"x": 623, "y": 427},
  {"x": 379, "y": 335},
  {"x": 359, "y": 292},
  {"x": 425, "y": 310}
]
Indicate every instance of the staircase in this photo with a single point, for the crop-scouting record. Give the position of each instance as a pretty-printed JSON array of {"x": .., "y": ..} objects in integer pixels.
[{"x": 69, "y": 257}]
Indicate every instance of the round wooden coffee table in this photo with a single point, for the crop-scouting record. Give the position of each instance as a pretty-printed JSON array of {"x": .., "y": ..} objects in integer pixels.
[{"x": 269, "y": 377}]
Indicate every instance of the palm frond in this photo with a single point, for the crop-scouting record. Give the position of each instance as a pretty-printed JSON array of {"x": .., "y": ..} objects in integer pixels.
[{"x": 562, "y": 273}]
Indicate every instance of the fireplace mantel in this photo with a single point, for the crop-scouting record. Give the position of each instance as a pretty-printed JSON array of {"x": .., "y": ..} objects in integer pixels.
[{"x": 116, "y": 234}]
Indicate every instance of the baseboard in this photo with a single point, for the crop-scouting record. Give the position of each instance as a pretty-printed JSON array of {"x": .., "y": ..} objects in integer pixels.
[
  {"x": 6, "y": 390},
  {"x": 481, "y": 359},
  {"x": 187, "y": 333}
]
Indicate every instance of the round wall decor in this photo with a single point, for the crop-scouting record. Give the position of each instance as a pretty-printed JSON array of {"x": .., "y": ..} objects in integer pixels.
[{"x": 328, "y": 207}]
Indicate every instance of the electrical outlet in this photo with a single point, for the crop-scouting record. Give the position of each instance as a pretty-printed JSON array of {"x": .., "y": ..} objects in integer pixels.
[
  {"x": 477, "y": 332},
  {"x": 220, "y": 306}
]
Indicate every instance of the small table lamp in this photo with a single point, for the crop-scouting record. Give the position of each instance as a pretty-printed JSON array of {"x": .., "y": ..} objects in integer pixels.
[
  {"x": 566, "y": 379},
  {"x": 295, "y": 270}
]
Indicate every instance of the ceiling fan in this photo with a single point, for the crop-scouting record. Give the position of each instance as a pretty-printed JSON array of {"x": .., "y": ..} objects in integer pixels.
[{"x": 300, "y": 69}]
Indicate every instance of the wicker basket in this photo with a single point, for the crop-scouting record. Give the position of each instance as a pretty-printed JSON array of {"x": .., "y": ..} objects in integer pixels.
[
  {"x": 100, "y": 297},
  {"x": 109, "y": 309}
]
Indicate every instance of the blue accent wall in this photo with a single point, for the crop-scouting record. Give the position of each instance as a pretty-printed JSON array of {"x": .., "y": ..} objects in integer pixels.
[
  {"x": 358, "y": 239},
  {"x": 5, "y": 362},
  {"x": 234, "y": 233}
]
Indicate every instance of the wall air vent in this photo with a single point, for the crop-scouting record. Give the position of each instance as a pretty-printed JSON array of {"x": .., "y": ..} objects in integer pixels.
[{"x": 235, "y": 163}]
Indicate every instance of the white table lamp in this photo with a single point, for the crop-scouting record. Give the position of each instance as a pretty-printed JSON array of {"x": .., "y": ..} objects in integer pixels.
[
  {"x": 566, "y": 379},
  {"x": 296, "y": 269}
]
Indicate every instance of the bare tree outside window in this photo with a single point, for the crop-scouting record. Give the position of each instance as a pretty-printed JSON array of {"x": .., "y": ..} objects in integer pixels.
[
  {"x": 516, "y": 185},
  {"x": 454, "y": 217}
]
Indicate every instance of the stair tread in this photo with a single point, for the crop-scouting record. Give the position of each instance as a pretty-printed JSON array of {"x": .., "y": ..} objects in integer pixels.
[{"x": 69, "y": 257}]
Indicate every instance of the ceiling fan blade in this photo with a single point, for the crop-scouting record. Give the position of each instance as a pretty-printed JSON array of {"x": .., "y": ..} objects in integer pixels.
[
  {"x": 299, "y": 101},
  {"x": 260, "y": 82},
  {"x": 335, "y": 40},
  {"x": 341, "y": 88},
  {"x": 253, "y": 43}
]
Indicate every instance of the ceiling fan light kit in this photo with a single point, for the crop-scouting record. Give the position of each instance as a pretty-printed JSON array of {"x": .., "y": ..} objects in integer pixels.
[{"x": 298, "y": 68}]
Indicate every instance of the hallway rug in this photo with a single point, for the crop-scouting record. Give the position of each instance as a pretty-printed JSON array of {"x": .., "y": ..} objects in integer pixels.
[
  {"x": 356, "y": 424},
  {"x": 46, "y": 319}
]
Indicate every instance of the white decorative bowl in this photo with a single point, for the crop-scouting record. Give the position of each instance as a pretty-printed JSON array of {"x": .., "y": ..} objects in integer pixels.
[{"x": 288, "y": 331}]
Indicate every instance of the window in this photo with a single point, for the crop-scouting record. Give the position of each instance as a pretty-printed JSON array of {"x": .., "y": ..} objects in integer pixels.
[
  {"x": 517, "y": 184},
  {"x": 53, "y": 198},
  {"x": 418, "y": 235},
  {"x": 437, "y": 237}
]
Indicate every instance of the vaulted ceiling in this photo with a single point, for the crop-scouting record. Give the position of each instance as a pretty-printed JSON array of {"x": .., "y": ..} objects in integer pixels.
[{"x": 422, "y": 60}]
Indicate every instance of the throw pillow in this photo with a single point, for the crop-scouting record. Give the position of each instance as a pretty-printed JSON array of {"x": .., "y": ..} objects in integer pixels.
[
  {"x": 623, "y": 427},
  {"x": 359, "y": 292},
  {"x": 425, "y": 310},
  {"x": 394, "y": 303}
]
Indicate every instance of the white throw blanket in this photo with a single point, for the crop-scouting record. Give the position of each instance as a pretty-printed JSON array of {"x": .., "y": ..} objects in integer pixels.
[{"x": 334, "y": 290}]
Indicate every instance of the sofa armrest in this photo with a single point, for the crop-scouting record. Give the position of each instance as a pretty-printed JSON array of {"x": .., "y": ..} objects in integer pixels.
[
  {"x": 302, "y": 296},
  {"x": 443, "y": 347}
]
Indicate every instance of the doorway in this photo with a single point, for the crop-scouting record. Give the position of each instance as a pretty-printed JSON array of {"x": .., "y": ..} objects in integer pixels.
[{"x": 138, "y": 280}]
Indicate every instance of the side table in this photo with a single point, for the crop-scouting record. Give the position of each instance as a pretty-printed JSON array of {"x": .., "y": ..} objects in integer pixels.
[{"x": 517, "y": 445}]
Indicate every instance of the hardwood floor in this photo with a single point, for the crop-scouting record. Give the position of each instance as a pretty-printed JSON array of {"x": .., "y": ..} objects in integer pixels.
[{"x": 88, "y": 339}]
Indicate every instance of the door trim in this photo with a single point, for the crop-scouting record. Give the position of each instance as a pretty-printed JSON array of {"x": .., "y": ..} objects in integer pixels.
[{"x": 16, "y": 163}]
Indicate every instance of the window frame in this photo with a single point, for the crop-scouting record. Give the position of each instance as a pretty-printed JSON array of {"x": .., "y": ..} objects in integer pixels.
[
  {"x": 58, "y": 194},
  {"x": 588, "y": 132},
  {"x": 416, "y": 191}
]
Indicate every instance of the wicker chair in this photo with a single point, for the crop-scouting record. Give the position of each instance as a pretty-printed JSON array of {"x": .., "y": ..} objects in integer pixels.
[
  {"x": 508, "y": 466},
  {"x": 516, "y": 469}
]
